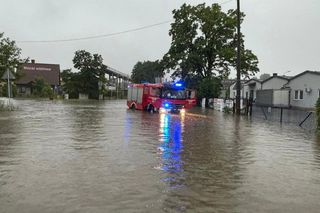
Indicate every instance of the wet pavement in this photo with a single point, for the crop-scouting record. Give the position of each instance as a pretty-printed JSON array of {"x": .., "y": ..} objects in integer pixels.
[{"x": 90, "y": 156}]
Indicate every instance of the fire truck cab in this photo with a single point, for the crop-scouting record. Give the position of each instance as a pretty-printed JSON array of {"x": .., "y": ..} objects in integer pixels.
[{"x": 160, "y": 97}]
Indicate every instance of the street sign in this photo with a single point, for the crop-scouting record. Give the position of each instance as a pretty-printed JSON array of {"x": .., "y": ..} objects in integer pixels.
[{"x": 7, "y": 75}]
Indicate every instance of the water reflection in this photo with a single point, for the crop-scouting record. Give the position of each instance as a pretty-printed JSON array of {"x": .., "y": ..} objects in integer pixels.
[
  {"x": 99, "y": 157},
  {"x": 170, "y": 131}
]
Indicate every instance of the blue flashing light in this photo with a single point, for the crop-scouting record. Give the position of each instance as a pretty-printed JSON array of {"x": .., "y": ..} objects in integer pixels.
[
  {"x": 166, "y": 105},
  {"x": 178, "y": 85}
]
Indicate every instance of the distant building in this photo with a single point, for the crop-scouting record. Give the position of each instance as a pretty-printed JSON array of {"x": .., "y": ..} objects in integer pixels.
[
  {"x": 233, "y": 89},
  {"x": 225, "y": 89},
  {"x": 250, "y": 88},
  {"x": 305, "y": 89},
  {"x": 50, "y": 73},
  {"x": 274, "y": 82},
  {"x": 301, "y": 91}
]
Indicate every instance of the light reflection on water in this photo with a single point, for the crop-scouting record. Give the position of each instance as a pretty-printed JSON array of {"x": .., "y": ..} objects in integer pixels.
[
  {"x": 171, "y": 146},
  {"x": 90, "y": 156}
]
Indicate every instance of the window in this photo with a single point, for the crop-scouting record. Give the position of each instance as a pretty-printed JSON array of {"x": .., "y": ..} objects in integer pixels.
[
  {"x": 22, "y": 90},
  {"x": 298, "y": 94},
  {"x": 155, "y": 92},
  {"x": 173, "y": 94}
]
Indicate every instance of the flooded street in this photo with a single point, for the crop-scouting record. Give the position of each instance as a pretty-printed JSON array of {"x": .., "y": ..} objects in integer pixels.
[{"x": 90, "y": 156}]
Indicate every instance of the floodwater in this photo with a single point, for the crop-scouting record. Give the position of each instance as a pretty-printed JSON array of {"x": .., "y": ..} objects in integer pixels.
[{"x": 90, "y": 156}]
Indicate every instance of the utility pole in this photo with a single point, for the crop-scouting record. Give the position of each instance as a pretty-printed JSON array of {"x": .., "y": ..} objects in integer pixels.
[{"x": 238, "y": 60}]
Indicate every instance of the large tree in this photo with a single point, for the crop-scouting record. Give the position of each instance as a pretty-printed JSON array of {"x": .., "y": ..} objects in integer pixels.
[
  {"x": 10, "y": 54},
  {"x": 204, "y": 44},
  {"x": 92, "y": 70},
  {"x": 146, "y": 71},
  {"x": 71, "y": 83}
]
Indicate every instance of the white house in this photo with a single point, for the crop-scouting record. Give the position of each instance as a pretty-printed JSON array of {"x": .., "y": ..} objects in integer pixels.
[
  {"x": 250, "y": 88},
  {"x": 233, "y": 90},
  {"x": 305, "y": 89},
  {"x": 274, "y": 82}
]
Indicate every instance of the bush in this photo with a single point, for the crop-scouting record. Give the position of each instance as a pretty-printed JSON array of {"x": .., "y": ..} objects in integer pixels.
[
  {"x": 227, "y": 110},
  {"x": 4, "y": 90},
  {"x": 41, "y": 89}
]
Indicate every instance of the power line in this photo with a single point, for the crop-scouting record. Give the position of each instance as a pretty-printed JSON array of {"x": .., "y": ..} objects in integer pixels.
[
  {"x": 96, "y": 36},
  {"x": 104, "y": 35}
]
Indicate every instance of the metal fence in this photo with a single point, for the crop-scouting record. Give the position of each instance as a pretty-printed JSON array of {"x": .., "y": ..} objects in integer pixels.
[{"x": 306, "y": 119}]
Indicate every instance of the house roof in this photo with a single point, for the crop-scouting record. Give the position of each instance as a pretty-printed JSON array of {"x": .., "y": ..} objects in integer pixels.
[
  {"x": 305, "y": 72},
  {"x": 253, "y": 79},
  {"x": 235, "y": 84},
  {"x": 50, "y": 73},
  {"x": 227, "y": 83},
  {"x": 287, "y": 78}
]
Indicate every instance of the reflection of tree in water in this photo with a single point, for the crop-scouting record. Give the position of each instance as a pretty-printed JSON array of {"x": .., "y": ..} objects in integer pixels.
[{"x": 9, "y": 138}]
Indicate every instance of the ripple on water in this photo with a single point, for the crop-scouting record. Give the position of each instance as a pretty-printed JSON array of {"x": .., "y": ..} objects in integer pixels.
[{"x": 90, "y": 156}]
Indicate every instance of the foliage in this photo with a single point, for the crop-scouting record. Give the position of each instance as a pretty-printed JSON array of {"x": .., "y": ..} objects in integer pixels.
[
  {"x": 70, "y": 83},
  {"x": 209, "y": 88},
  {"x": 91, "y": 72},
  {"x": 318, "y": 113},
  {"x": 41, "y": 89},
  {"x": 9, "y": 54},
  {"x": 146, "y": 71},
  {"x": 204, "y": 45},
  {"x": 5, "y": 90},
  {"x": 264, "y": 76},
  {"x": 227, "y": 110}
]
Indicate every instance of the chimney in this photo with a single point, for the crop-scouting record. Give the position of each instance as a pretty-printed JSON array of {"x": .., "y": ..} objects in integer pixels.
[
  {"x": 275, "y": 74},
  {"x": 33, "y": 61}
]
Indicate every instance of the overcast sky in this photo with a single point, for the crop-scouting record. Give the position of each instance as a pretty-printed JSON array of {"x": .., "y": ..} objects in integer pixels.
[{"x": 284, "y": 34}]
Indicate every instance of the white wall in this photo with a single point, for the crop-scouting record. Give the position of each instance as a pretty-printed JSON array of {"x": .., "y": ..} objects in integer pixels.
[
  {"x": 234, "y": 92},
  {"x": 274, "y": 83},
  {"x": 247, "y": 88},
  {"x": 303, "y": 82}
]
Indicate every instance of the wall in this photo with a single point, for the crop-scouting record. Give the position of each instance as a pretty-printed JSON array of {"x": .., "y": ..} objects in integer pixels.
[
  {"x": 308, "y": 80},
  {"x": 247, "y": 88},
  {"x": 281, "y": 98},
  {"x": 274, "y": 83}
]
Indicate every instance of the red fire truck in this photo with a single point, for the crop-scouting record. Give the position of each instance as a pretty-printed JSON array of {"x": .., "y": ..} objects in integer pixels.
[{"x": 160, "y": 97}]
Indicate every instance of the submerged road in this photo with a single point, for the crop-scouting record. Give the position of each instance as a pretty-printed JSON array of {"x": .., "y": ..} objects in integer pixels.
[{"x": 90, "y": 156}]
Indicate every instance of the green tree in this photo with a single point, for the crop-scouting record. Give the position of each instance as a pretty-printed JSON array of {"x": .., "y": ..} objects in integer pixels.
[
  {"x": 41, "y": 89},
  {"x": 9, "y": 54},
  {"x": 209, "y": 87},
  {"x": 146, "y": 71},
  {"x": 70, "y": 83},
  {"x": 204, "y": 44},
  {"x": 91, "y": 72},
  {"x": 4, "y": 91}
]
